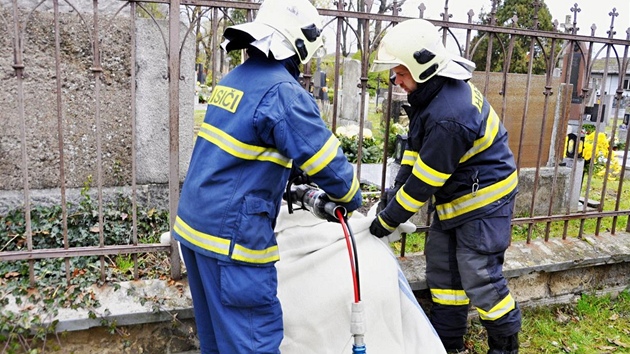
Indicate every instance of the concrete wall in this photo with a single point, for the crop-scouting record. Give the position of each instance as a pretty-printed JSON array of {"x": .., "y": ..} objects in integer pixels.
[{"x": 79, "y": 105}]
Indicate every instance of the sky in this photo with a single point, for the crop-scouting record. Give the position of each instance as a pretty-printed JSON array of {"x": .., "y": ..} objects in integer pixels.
[{"x": 592, "y": 11}]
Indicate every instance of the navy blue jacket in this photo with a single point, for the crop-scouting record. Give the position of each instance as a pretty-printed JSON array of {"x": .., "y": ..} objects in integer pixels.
[
  {"x": 258, "y": 123},
  {"x": 457, "y": 153}
]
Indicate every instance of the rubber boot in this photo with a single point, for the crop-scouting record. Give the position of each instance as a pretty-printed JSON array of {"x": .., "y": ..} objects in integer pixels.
[
  {"x": 454, "y": 345},
  {"x": 503, "y": 345}
]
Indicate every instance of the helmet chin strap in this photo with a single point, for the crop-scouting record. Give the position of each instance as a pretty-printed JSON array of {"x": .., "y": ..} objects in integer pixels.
[
  {"x": 301, "y": 48},
  {"x": 292, "y": 64}
]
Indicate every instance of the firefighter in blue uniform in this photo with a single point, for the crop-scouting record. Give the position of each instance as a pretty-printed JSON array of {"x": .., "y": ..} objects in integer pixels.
[
  {"x": 259, "y": 123},
  {"x": 458, "y": 160}
]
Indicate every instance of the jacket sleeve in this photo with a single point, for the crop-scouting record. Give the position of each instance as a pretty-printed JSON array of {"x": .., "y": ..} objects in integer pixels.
[
  {"x": 290, "y": 120},
  {"x": 443, "y": 146}
]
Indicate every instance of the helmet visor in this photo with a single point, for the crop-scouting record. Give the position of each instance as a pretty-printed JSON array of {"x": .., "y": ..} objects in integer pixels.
[{"x": 381, "y": 66}]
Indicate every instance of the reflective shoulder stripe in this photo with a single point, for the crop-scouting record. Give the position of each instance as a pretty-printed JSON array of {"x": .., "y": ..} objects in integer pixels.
[
  {"x": 323, "y": 157},
  {"x": 239, "y": 149},
  {"x": 206, "y": 241},
  {"x": 483, "y": 197},
  {"x": 244, "y": 254},
  {"x": 481, "y": 144},
  {"x": 409, "y": 158},
  {"x": 499, "y": 310},
  {"x": 385, "y": 225},
  {"x": 406, "y": 201},
  {"x": 449, "y": 297},
  {"x": 353, "y": 190},
  {"x": 428, "y": 175}
]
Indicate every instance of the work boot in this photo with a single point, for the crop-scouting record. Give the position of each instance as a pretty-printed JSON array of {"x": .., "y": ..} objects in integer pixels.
[
  {"x": 503, "y": 345},
  {"x": 454, "y": 345}
]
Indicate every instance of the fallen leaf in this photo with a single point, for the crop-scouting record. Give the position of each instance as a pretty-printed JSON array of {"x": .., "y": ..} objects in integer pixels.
[{"x": 619, "y": 343}]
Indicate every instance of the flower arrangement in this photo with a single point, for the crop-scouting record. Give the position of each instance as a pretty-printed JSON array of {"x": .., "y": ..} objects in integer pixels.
[{"x": 599, "y": 156}]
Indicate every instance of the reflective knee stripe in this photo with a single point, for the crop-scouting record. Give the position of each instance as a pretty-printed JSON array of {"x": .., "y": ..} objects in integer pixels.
[
  {"x": 206, "y": 241},
  {"x": 449, "y": 297},
  {"x": 267, "y": 255},
  {"x": 239, "y": 149},
  {"x": 481, "y": 198},
  {"x": 323, "y": 157},
  {"x": 499, "y": 310},
  {"x": 481, "y": 144}
]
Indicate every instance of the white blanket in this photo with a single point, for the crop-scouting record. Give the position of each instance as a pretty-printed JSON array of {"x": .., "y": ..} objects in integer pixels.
[{"x": 316, "y": 291}]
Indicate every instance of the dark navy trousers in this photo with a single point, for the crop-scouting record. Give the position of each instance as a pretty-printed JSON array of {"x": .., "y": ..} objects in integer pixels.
[{"x": 465, "y": 267}]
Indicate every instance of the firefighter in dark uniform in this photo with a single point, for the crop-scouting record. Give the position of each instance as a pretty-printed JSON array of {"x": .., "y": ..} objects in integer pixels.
[
  {"x": 259, "y": 124},
  {"x": 458, "y": 160}
]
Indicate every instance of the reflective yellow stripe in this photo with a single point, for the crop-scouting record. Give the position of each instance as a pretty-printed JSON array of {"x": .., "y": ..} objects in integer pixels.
[
  {"x": 267, "y": 255},
  {"x": 206, "y": 241},
  {"x": 407, "y": 202},
  {"x": 483, "y": 197},
  {"x": 353, "y": 190},
  {"x": 499, "y": 310},
  {"x": 409, "y": 158},
  {"x": 222, "y": 246},
  {"x": 323, "y": 157},
  {"x": 449, "y": 297},
  {"x": 386, "y": 225},
  {"x": 428, "y": 175},
  {"x": 481, "y": 144},
  {"x": 239, "y": 149}
]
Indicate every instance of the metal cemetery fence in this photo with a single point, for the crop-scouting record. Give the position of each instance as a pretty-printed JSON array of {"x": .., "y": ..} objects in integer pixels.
[{"x": 550, "y": 87}]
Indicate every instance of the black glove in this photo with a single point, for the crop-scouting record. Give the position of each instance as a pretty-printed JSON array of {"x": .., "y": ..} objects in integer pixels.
[
  {"x": 297, "y": 176},
  {"x": 377, "y": 229}
]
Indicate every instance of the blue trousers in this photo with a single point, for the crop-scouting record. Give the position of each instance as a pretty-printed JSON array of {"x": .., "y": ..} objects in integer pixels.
[
  {"x": 465, "y": 267},
  {"x": 236, "y": 307}
]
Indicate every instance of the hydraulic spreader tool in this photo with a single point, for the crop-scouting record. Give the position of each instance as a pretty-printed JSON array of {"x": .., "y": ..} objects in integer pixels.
[{"x": 309, "y": 197}]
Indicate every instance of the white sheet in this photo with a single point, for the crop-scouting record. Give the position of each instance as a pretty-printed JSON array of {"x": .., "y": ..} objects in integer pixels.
[{"x": 316, "y": 291}]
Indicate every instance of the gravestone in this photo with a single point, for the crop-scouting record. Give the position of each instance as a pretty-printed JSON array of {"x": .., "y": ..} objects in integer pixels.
[{"x": 350, "y": 92}]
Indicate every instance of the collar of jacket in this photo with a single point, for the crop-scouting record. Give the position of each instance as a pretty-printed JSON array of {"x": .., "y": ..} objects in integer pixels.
[
  {"x": 426, "y": 91},
  {"x": 292, "y": 64}
]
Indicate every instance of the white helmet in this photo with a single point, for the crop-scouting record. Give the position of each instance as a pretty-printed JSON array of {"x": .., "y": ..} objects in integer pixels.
[
  {"x": 284, "y": 27},
  {"x": 417, "y": 45}
]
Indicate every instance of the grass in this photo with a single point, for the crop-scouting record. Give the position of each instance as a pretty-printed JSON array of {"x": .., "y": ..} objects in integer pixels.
[{"x": 595, "y": 324}]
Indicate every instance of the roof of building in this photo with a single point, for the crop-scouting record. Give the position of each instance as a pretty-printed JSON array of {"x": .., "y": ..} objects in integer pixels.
[{"x": 613, "y": 65}]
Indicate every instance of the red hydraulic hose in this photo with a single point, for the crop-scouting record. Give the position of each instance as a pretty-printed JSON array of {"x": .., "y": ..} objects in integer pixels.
[{"x": 352, "y": 253}]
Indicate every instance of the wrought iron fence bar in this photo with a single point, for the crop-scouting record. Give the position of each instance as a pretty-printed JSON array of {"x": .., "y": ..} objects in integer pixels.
[
  {"x": 18, "y": 66},
  {"x": 60, "y": 136},
  {"x": 557, "y": 218},
  {"x": 173, "y": 82},
  {"x": 82, "y": 252},
  {"x": 134, "y": 143},
  {"x": 97, "y": 71},
  {"x": 399, "y": 18}
]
